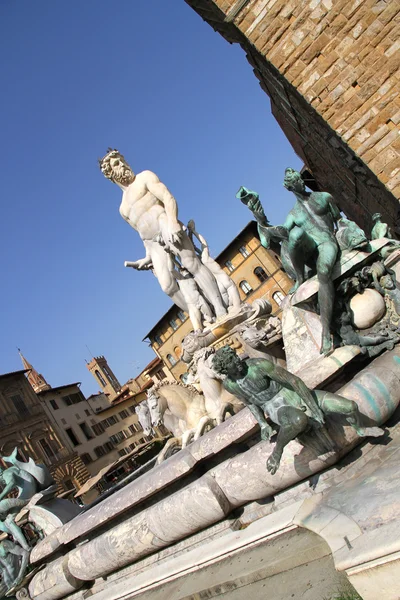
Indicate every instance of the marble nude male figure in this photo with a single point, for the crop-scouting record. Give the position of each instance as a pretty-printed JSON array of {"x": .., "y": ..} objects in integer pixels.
[
  {"x": 268, "y": 389},
  {"x": 149, "y": 207}
]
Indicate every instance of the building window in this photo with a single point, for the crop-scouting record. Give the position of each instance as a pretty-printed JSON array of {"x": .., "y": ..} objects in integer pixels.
[
  {"x": 132, "y": 409},
  {"x": 135, "y": 428},
  {"x": 54, "y": 404},
  {"x": 100, "y": 451},
  {"x": 110, "y": 421},
  {"x": 178, "y": 351},
  {"x": 245, "y": 287},
  {"x": 160, "y": 375},
  {"x": 98, "y": 429},
  {"x": 174, "y": 324},
  {"x": 73, "y": 399},
  {"x": 19, "y": 406},
  {"x": 46, "y": 446},
  {"x": 184, "y": 377},
  {"x": 70, "y": 433},
  {"x": 63, "y": 421},
  {"x": 109, "y": 446},
  {"x": 260, "y": 274},
  {"x": 182, "y": 316},
  {"x": 100, "y": 378},
  {"x": 158, "y": 340},
  {"x": 86, "y": 458},
  {"x": 87, "y": 412},
  {"x": 229, "y": 266},
  {"x": 123, "y": 414},
  {"x": 116, "y": 438},
  {"x": 123, "y": 451},
  {"x": 278, "y": 297},
  {"x": 244, "y": 252},
  {"x": 171, "y": 360}
]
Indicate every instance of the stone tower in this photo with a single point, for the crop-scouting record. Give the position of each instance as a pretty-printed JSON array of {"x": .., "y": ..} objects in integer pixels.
[
  {"x": 37, "y": 381},
  {"x": 332, "y": 73},
  {"x": 104, "y": 376}
]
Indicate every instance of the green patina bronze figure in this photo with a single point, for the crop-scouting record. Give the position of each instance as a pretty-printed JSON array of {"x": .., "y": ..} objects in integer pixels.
[
  {"x": 269, "y": 389},
  {"x": 13, "y": 563},
  {"x": 379, "y": 229},
  {"x": 28, "y": 479},
  {"x": 309, "y": 240}
]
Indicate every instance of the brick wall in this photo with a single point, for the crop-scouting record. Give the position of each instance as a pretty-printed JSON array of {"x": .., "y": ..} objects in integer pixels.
[{"x": 331, "y": 70}]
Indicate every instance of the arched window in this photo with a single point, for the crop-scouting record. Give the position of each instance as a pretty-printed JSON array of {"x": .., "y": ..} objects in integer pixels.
[
  {"x": 184, "y": 377},
  {"x": 278, "y": 297},
  {"x": 100, "y": 378},
  {"x": 260, "y": 274},
  {"x": 178, "y": 351},
  {"x": 245, "y": 287},
  {"x": 171, "y": 360}
]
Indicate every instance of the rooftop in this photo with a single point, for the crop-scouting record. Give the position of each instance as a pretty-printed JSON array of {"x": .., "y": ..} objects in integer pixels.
[
  {"x": 60, "y": 387},
  {"x": 14, "y": 373}
]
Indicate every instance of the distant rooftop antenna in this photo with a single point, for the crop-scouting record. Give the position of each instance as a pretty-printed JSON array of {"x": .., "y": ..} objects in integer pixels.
[{"x": 89, "y": 353}]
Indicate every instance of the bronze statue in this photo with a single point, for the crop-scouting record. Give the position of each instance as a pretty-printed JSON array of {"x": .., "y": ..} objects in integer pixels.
[
  {"x": 268, "y": 389},
  {"x": 308, "y": 240}
]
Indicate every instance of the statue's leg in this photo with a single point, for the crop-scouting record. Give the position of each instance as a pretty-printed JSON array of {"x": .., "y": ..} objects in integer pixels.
[
  {"x": 292, "y": 422},
  {"x": 23, "y": 566},
  {"x": 327, "y": 253},
  {"x": 224, "y": 410},
  {"x": 16, "y": 533},
  {"x": 201, "y": 426},
  {"x": 369, "y": 340},
  {"x": 164, "y": 271},
  {"x": 298, "y": 239},
  {"x": 258, "y": 413},
  {"x": 171, "y": 443},
  {"x": 202, "y": 275},
  {"x": 334, "y": 404}
]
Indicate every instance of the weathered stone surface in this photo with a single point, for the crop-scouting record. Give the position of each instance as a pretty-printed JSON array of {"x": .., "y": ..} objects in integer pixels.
[
  {"x": 54, "y": 582},
  {"x": 367, "y": 308},
  {"x": 134, "y": 493},
  {"x": 185, "y": 512}
]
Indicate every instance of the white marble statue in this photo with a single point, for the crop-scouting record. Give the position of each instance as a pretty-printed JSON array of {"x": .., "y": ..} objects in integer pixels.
[
  {"x": 149, "y": 207},
  {"x": 227, "y": 287}
]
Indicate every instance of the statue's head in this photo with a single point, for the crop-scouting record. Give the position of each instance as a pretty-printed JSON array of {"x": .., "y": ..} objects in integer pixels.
[
  {"x": 154, "y": 407},
  {"x": 376, "y": 217},
  {"x": 227, "y": 362},
  {"x": 387, "y": 282},
  {"x": 191, "y": 225},
  {"x": 144, "y": 417},
  {"x": 293, "y": 181},
  {"x": 114, "y": 166}
]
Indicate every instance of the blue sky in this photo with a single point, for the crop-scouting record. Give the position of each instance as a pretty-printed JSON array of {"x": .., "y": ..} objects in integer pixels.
[{"x": 150, "y": 78}]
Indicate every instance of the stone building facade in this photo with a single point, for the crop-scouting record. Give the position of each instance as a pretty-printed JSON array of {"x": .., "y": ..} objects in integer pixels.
[
  {"x": 331, "y": 70},
  {"x": 121, "y": 423},
  {"x": 78, "y": 426},
  {"x": 25, "y": 424},
  {"x": 257, "y": 273}
]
